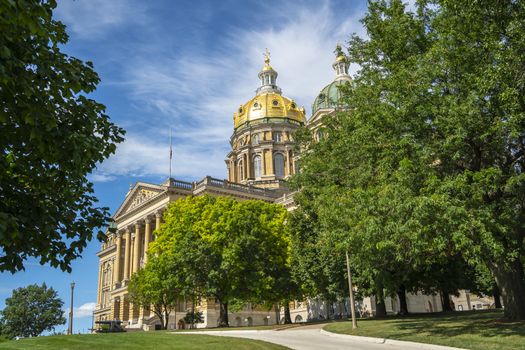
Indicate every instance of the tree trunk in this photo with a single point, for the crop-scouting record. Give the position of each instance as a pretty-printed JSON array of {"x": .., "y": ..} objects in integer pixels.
[
  {"x": 445, "y": 301},
  {"x": 287, "y": 316},
  {"x": 223, "y": 315},
  {"x": 165, "y": 318},
  {"x": 277, "y": 313},
  {"x": 380, "y": 302},
  {"x": 402, "y": 295},
  {"x": 193, "y": 311},
  {"x": 511, "y": 284},
  {"x": 496, "y": 295},
  {"x": 157, "y": 310}
]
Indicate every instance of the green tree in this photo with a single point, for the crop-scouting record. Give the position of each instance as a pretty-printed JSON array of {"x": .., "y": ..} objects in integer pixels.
[
  {"x": 157, "y": 285},
  {"x": 32, "y": 310},
  {"x": 317, "y": 263},
  {"x": 228, "y": 250},
  {"x": 53, "y": 135},
  {"x": 428, "y": 164}
]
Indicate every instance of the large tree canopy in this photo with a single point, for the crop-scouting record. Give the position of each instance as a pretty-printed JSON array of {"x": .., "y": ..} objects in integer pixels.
[
  {"x": 31, "y": 311},
  {"x": 427, "y": 166},
  {"x": 233, "y": 251},
  {"x": 52, "y": 136}
]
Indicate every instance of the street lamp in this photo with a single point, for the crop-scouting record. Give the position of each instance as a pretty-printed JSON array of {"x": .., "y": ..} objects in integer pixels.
[
  {"x": 351, "y": 291},
  {"x": 70, "y": 329}
]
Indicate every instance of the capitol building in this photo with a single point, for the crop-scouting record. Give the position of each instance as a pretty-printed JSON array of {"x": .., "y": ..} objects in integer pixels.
[{"x": 260, "y": 161}]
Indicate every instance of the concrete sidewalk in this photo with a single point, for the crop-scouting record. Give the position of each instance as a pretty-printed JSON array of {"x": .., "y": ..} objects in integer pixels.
[{"x": 314, "y": 338}]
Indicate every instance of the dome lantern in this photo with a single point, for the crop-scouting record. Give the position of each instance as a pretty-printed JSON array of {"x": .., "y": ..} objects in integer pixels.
[
  {"x": 341, "y": 64},
  {"x": 268, "y": 77}
]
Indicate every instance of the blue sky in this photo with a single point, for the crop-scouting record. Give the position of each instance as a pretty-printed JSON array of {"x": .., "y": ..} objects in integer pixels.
[{"x": 185, "y": 65}]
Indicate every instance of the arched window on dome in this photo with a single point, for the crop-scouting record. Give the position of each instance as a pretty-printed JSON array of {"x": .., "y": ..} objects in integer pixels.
[
  {"x": 241, "y": 170},
  {"x": 278, "y": 164},
  {"x": 255, "y": 139},
  {"x": 319, "y": 135},
  {"x": 257, "y": 166}
]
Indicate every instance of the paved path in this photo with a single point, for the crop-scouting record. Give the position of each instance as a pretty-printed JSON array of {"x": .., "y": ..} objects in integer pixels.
[{"x": 311, "y": 337}]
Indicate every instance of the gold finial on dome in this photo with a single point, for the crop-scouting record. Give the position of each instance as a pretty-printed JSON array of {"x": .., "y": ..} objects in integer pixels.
[
  {"x": 267, "y": 66},
  {"x": 339, "y": 54},
  {"x": 267, "y": 57}
]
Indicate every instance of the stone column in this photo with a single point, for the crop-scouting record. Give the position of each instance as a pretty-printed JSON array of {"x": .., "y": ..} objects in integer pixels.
[
  {"x": 136, "y": 247},
  {"x": 100, "y": 272},
  {"x": 126, "y": 254},
  {"x": 116, "y": 271},
  {"x": 147, "y": 233},
  {"x": 286, "y": 162},
  {"x": 263, "y": 154},
  {"x": 158, "y": 217}
]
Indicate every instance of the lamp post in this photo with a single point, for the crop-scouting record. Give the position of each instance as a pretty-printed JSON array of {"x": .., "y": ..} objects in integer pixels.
[
  {"x": 351, "y": 290},
  {"x": 70, "y": 329}
]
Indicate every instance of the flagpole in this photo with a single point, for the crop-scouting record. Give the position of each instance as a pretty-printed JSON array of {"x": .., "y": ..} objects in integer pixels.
[{"x": 171, "y": 155}]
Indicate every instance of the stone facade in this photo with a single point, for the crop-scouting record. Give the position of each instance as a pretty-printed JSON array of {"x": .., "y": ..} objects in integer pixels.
[{"x": 124, "y": 252}]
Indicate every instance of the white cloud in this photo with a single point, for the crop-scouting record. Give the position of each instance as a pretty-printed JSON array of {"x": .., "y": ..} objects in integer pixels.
[
  {"x": 196, "y": 93},
  {"x": 84, "y": 310},
  {"x": 91, "y": 19},
  {"x": 139, "y": 157}
]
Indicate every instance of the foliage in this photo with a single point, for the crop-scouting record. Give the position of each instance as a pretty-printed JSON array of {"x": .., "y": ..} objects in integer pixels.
[
  {"x": 226, "y": 249},
  {"x": 427, "y": 166},
  {"x": 194, "y": 317},
  {"x": 52, "y": 137},
  {"x": 32, "y": 310},
  {"x": 158, "y": 285}
]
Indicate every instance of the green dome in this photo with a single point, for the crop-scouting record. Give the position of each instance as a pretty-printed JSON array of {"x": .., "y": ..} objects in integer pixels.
[{"x": 329, "y": 97}]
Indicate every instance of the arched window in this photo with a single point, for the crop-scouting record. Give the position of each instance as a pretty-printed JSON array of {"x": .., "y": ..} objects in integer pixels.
[
  {"x": 255, "y": 139},
  {"x": 319, "y": 134},
  {"x": 257, "y": 166},
  {"x": 241, "y": 170},
  {"x": 278, "y": 164}
]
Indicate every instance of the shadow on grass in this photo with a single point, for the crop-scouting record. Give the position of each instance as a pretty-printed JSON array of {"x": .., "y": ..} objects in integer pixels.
[{"x": 478, "y": 323}]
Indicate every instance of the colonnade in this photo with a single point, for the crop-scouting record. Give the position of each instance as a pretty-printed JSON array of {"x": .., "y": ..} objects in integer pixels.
[
  {"x": 242, "y": 168},
  {"x": 137, "y": 238},
  {"x": 115, "y": 271}
]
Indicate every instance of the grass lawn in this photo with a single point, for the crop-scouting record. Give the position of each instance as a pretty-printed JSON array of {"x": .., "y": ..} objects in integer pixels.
[
  {"x": 483, "y": 330},
  {"x": 137, "y": 340}
]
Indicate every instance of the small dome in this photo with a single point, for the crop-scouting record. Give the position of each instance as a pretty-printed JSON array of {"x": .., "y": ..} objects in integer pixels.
[
  {"x": 330, "y": 96},
  {"x": 269, "y": 107}
]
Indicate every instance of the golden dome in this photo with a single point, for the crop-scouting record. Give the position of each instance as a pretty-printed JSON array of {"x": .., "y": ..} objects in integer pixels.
[{"x": 268, "y": 107}]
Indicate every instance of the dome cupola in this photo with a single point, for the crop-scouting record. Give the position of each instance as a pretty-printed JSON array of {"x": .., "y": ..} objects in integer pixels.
[
  {"x": 341, "y": 64},
  {"x": 268, "y": 77},
  {"x": 330, "y": 97}
]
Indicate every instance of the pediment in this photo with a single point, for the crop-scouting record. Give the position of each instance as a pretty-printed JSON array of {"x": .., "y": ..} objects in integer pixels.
[{"x": 137, "y": 196}]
